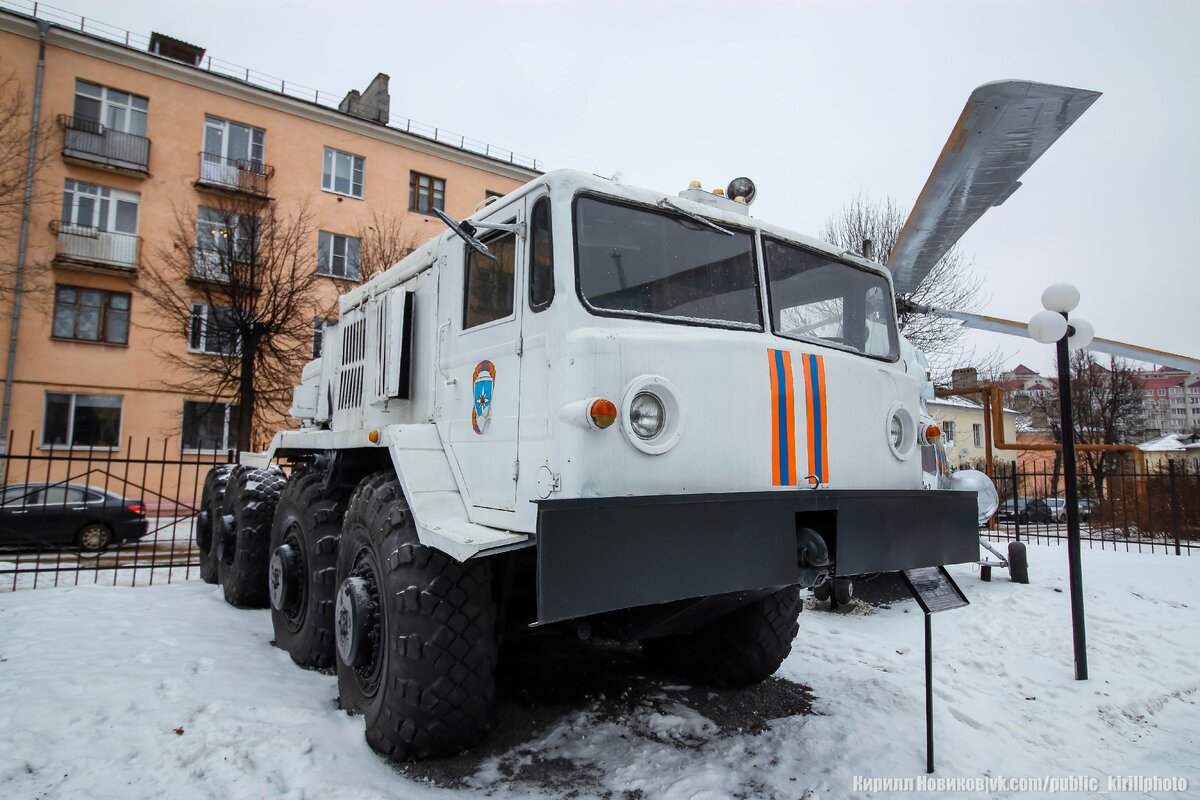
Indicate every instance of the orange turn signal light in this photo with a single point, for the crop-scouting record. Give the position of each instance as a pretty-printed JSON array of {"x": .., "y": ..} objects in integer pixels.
[
  {"x": 931, "y": 433},
  {"x": 373, "y": 437},
  {"x": 603, "y": 413}
]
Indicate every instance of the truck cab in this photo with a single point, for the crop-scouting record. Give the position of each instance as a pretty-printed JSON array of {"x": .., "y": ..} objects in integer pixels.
[{"x": 751, "y": 381}]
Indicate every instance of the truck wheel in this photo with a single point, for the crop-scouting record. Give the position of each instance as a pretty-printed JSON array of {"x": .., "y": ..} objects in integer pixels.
[
  {"x": 1018, "y": 562},
  {"x": 739, "y": 649},
  {"x": 244, "y": 534},
  {"x": 303, "y": 566},
  {"x": 415, "y": 631},
  {"x": 210, "y": 506},
  {"x": 843, "y": 591},
  {"x": 823, "y": 590}
]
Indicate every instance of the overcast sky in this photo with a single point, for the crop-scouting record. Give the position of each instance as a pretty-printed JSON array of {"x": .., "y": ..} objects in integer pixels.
[{"x": 816, "y": 101}]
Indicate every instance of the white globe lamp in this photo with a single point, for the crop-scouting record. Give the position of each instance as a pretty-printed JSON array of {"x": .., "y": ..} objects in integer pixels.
[
  {"x": 1060, "y": 297},
  {"x": 1047, "y": 327}
]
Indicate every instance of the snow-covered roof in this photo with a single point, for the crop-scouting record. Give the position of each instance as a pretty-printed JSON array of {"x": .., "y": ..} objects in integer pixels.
[
  {"x": 964, "y": 403},
  {"x": 1167, "y": 443}
]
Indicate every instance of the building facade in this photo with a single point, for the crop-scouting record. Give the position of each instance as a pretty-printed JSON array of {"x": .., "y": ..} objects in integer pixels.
[{"x": 142, "y": 143}]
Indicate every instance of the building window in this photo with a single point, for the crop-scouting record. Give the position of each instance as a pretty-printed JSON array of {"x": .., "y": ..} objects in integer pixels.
[
  {"x": 209, "y": 426},
  {"x": 488, "y": 294},
  {"x": 343, "y": 173},
  {"x": 223, "y": 239},
  {"x": 213, "y": 330},
  {"x": 82, "y": 420},
  {"x": 977, "y": 434},
  {"x": 337, "y": 255},
  {"x": 1176, "y": 390},
  {"x": 230, "y": 149},
  {"x": 948, "y": 431},
  {"x": 426, "y": 193},
  {"x": 91, "y": 315},
  {"x": 111, "y": 108},
  {"x": 1162, "y": 392},
  {"x": 233, "y": 141},
  {"x": 318, "y": 341},
  {"x": 99, "y": 208},
  {"x": 541, "y": 259}
]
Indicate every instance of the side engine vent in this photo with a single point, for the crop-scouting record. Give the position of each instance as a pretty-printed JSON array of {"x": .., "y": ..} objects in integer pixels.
[{"x": 354, "y": 358}]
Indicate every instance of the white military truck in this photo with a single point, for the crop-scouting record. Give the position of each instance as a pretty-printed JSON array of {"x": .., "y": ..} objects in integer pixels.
[{"x": 649, "y": 417}]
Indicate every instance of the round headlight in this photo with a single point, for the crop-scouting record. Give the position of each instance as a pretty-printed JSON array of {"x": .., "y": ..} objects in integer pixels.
[
  {"x": 647, "y": 415},
  {"x": 896, "y": 431}
]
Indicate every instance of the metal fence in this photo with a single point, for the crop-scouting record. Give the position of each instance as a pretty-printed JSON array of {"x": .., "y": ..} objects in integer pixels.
[
  {"x": 115, "y": 516},
  {"x": 1151, "y": 510}
]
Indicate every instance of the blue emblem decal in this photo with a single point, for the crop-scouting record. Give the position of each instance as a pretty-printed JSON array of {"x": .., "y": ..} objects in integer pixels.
[{"x": 482, "y": 384}]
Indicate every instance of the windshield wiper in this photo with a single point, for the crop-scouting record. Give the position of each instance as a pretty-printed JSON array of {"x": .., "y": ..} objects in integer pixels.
[{"x": 665, "y": 203}]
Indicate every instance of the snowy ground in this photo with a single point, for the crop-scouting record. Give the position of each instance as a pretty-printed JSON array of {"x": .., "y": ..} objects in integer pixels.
[{"x": 167, "y": 692}]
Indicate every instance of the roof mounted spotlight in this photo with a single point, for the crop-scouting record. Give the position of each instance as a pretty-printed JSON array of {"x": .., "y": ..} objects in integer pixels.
[{"x": 742, "y": 190}]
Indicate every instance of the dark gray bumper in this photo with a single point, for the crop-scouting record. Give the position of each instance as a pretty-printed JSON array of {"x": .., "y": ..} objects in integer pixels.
[{"x": 605, "y": 554}]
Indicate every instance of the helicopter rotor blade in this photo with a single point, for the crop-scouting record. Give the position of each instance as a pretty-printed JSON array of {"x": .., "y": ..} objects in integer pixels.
[
  {"x": 1004, "y": 128},
  {"x": 1108, "y": 346}
]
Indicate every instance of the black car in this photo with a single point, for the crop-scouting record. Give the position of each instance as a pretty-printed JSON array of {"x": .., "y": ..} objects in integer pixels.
[
  {"x": 68, "y": 515},
  {"x": 1038, "y": 510}
]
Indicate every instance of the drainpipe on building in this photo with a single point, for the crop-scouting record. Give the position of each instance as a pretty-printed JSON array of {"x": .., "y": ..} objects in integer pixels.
[{"x": 26, "y": 207}]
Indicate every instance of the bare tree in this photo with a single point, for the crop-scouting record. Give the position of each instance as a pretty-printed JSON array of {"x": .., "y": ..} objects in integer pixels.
[
  {"x": 385, "y": 239},
  {"x": 952, "y": 283},
  {"x": 15, "y": 132},
  {"x": 1105, "y": 408},
  {"x": 238, "y": 282}
]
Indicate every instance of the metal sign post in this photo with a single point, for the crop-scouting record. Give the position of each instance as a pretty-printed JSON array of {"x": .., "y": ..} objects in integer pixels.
[{"x": 934, "y": 591}]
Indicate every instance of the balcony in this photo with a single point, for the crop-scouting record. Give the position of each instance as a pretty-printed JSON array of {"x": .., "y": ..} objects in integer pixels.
[
  {"x": 237, "y": 175},
  {"x": 87, "y": 142},
  {"x": 92, "y": 248}
]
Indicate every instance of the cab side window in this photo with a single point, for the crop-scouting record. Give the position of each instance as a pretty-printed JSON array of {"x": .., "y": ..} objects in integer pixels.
[
  {"x": 541, "y": 258},
  {"x": 488, "y": 284}
]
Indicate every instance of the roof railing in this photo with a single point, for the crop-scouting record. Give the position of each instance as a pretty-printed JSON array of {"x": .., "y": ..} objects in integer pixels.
[{"x": 261, "y": 80}]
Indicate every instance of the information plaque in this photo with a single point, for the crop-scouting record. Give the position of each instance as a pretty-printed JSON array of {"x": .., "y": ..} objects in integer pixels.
[{"x": 934, "y": 589}]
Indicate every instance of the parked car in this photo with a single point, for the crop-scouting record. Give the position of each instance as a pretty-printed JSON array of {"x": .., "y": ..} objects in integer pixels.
[
  {"x": 68, "y": 515},
  {"x": 1040, "y": 510},
  {"x": 1059, "y": 507},
  {"x": 1010, "y": 509}
]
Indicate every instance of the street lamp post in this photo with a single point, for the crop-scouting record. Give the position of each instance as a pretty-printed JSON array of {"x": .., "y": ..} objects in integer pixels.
[{"x": 1052, "y": 326}]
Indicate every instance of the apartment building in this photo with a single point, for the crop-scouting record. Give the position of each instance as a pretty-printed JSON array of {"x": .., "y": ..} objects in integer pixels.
[{"x": 139, "y": 138}]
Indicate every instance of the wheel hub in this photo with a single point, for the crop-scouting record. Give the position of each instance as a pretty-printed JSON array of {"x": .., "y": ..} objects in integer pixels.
[
  {"x": 224, "y": 531},
  {"x": 282, "y": 576},
  {"x": 353, "y": 618}
]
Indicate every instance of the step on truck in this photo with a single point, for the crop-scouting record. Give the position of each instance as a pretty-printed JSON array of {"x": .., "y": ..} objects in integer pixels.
[{"x": 644, "y": 416}]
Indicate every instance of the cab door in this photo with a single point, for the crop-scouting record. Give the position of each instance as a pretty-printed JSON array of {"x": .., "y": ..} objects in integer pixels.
[{"x": 479, "y": 360}]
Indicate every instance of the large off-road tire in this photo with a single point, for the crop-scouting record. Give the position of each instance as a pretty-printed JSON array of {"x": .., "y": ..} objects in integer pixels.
[
  {"x": 742, "y": 648},
  {"x": 302, "y": 574},
  {"x": 415, "y": 631},
  {"x": 244, "y": 529},
  {"x": 211, "y": 500}
]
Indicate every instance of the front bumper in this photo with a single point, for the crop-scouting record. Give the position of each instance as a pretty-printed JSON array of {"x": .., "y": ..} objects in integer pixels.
[{"x": 604, "y": 554}]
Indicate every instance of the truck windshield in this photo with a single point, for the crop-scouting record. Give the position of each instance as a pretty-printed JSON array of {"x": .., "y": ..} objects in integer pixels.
[
  {"x": 635, "y": 261},
  {"x": 821, "y": 300}
]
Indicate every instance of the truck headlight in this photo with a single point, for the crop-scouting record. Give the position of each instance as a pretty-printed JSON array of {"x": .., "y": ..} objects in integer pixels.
[
  {"x": 972, "y": 480},
  {"x": 651, "y": 414},
  {"x": 647, "y": 415},
  {"x": 901, "y": 431}
]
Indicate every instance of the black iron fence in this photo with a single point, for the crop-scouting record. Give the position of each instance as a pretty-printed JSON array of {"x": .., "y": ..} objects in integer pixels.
[
  {"x": 116, "y": 516},
  {"x": 1155, "y": 509},
  {"x": 126, "y": 515}
]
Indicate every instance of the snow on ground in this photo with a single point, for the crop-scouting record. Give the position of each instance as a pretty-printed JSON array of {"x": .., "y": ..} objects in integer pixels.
[{"x": 166, "y": 691}]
